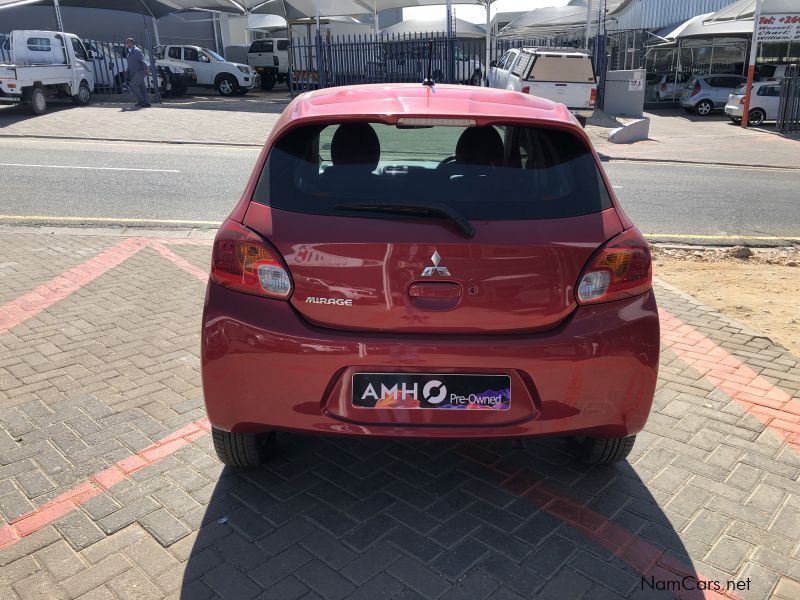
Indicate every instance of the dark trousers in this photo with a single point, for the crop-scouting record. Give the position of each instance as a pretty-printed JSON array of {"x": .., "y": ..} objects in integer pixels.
[{"x": 139, "y": 88}]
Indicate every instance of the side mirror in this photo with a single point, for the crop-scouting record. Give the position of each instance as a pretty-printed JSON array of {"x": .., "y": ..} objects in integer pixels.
[
  {"x": 91, "y": 54},
  {"x": 493, "y": 63}
]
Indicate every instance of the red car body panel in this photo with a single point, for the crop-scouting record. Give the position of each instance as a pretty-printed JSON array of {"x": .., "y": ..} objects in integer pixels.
[{"x": 508, "y": 309}]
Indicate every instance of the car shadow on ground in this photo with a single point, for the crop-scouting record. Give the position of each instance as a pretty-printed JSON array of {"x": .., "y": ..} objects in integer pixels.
[{"x": 424, "y": 518}]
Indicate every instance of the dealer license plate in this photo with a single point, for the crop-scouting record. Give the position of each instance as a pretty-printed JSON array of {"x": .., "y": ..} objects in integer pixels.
[{"x": 431, "y": 391}]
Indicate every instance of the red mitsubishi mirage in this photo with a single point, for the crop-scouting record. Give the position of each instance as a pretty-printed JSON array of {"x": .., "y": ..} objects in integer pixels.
[{"x": 410, "y": 261}]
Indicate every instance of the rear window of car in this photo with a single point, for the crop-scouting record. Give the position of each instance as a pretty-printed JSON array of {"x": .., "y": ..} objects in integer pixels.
[
  {"x": 562, "y": 68},
  {"x": 485, "y": 173}
]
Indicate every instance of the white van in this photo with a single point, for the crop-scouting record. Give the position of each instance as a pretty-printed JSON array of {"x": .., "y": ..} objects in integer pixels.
[
  {"x": 561, "y": 75},
  {"x": 270, "y": 57}
]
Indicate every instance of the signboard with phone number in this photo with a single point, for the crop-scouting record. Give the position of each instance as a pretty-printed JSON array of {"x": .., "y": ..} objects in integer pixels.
[{"x": 779, "y": 28}]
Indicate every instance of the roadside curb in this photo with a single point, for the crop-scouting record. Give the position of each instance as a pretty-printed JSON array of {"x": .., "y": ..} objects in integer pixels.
[
  {"x": 607, "y": 158},
  {"x": 131, "y": 140}
]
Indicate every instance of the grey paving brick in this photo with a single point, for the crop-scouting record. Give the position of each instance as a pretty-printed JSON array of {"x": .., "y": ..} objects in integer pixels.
[
  {"x": 474, "y": 586},
  {"x": 228, "y": 582},
  {"x": 134, "y": 585},
  {"x": 290, "y": 588},
  {"x": 381, "y": 587},
  {"x": 600, "y": 571},
  {"x": 728, "y": 554},
  {"x": 328, "y": 549},
  {"x": 28, "y": 545},
  {"x": 79, "y": 530},
  {"x": 418, "y": 577},
  {"x": 519, "y": 579},
  {"x": 149, "y": 556},
  {"x": 502, "y": 543},
  {"x": 16, "y": 571},
  {"x": 38, "y": 586},
  {"x": 369, "y": 564},
  {"x": 456, "y": 561},
  {"x": 565, "y": 584},
  {"x": 366, "y": 534},
  {"x": 128, "y": 514},
  {"x": 60, "y": 560},
  {"x": 165, "y": 527},
  {"x": 95, "y": 576},
  {"x": 552, "y": 555},
  {"x": 113, "y": 543},
  {"x": 14, "y": 504},
  {"x": 759, "y": 581},
  {"x": 414, "y": 544},
  {"x": 324, "y": 581},
  {"x": 286, "y": 536},
  {"x": 280, "y": 566}
]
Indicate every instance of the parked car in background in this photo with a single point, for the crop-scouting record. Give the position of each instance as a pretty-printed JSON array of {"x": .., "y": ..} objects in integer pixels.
[
  {"x": 770, "y": 72},
  {"x": 706, "y": 93},
  {"x": 270, "y": 57},
  {"x": 428, "y": 262},
  {"x": 212, "y": 70},
  {"x": 46, "y": 65},
  {"x": 765, "y": 100},
  {"x": 565, "y": 76},
  {"x": 664, "y": 87}
]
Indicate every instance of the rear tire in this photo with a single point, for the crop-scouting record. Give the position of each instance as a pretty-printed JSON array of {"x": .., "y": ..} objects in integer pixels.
[
  {"x": 602, "y": 451},
  {"x": 704, "y": 108},
  {"x": 38, "y": 101},
  {"x": 240, "y": 449},
  {"x": 582, "y": 120},
  {"x": 756, "y": 117}
]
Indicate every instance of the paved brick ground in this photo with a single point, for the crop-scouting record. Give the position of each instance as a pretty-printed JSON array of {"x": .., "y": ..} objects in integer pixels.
[{"x": 98, "y": 498}]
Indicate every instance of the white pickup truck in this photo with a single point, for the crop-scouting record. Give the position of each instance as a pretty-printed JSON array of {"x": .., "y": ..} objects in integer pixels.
[
  {"x": 46, "y": 65},
  {"x": 270, "y": 57},
  {"x": 561, "y": 75},
  {"x": 228, "y": 78}
]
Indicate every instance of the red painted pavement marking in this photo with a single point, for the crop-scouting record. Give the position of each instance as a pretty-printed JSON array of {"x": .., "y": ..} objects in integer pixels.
[
  {"x": 179, "y": 261},
  {"x": 768, "y": 403},
  {"x": 70, "y": 500},
  {"x": 31, "y": 304},
  {"x": 647, "y": 559}
]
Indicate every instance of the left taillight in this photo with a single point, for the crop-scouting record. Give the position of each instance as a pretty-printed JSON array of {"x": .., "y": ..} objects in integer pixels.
[
  {"x": 620, "y": 269},
  {"x": 526, "y": 89},
  {"x": 593, "y": 98},
  {"x": 241, "y": 260}
]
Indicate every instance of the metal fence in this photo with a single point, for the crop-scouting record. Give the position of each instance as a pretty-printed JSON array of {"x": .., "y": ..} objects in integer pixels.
[
  {"x": 350, "y": 60},
  {"x": 789, "y": 108}
]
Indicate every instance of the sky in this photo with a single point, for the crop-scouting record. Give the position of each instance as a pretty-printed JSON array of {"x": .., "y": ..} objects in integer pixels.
[{"x": 477, "y": 14}]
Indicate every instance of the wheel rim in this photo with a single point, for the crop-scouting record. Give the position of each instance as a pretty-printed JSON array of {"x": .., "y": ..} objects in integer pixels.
[
  {"x": 756, "y": 118},
  {"x": 39, "y": 101},
  {"x": 703, "y": 108},
  {"x": 225, "y": 87},
  {"x": 83, "y": 94}
]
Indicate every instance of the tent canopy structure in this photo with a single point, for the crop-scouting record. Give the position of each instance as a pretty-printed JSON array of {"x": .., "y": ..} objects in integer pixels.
[
  {"x": 553, "y": 21},
  {"x": 150, "y": 8},
  {"x": 462, "y": 29}
]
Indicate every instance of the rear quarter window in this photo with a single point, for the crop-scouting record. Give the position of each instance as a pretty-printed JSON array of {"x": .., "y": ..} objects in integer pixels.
[{"x": 498, "y": 173}]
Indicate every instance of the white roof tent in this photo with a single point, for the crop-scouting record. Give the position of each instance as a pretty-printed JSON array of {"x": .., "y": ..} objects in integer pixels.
[{"x": 462, "y": 29}]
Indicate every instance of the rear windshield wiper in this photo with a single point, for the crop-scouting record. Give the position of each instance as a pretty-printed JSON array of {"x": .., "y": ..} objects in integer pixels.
[{"x": 415, "y": 209}]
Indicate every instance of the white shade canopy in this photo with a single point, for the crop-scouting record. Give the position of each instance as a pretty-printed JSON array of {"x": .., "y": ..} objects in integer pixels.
[
  {"x": 462, "y": 29},
  {"x": 744, "y": 9}
]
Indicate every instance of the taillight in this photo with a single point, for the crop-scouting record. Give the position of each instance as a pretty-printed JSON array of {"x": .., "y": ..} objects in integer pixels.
[
  {"x": 526, "y": 89},
  {"x": 242, "y": 261},
  {"x": 592, "y": 97},
  {"x": 741, "y": 100},
  {"x": 663, "y": 87},
  {"x": 620, "y": 269},
  {"x": 695, "y": 89}
]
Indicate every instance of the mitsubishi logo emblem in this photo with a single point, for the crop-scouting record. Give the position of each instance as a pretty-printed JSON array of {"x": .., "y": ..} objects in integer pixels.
[{"x": 435, "y": 259}]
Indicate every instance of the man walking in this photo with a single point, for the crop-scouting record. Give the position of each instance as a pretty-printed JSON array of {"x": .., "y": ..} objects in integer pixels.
[{"x": 137, "y": 71}]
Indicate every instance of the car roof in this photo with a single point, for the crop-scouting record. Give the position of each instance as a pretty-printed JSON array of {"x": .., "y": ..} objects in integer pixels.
[{"x": 384, "y": 102}]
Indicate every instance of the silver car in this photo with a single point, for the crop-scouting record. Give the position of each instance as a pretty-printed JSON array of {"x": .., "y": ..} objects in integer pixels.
[{"x": 707, "y": 93}]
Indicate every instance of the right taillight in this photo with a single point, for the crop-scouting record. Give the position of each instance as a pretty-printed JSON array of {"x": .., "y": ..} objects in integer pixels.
[
  {"x": 241, "y": 260},
  {"x": 592, "y": 97},
  {"x": 663, "y": 87},
  {"x": 620, "y": 269},
  {"x": 695, "y": 89},
  {"x": 526, "y": 89}
]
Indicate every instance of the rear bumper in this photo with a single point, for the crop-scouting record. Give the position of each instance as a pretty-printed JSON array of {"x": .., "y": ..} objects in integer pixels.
[
  {"x": 733, "y": 110},
  {"x": 582, "y": 112},
  {"x": 264, "y": 368}
]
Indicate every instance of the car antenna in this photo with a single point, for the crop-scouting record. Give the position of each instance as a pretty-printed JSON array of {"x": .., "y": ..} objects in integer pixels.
[{"x": 429, "y": 79}]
